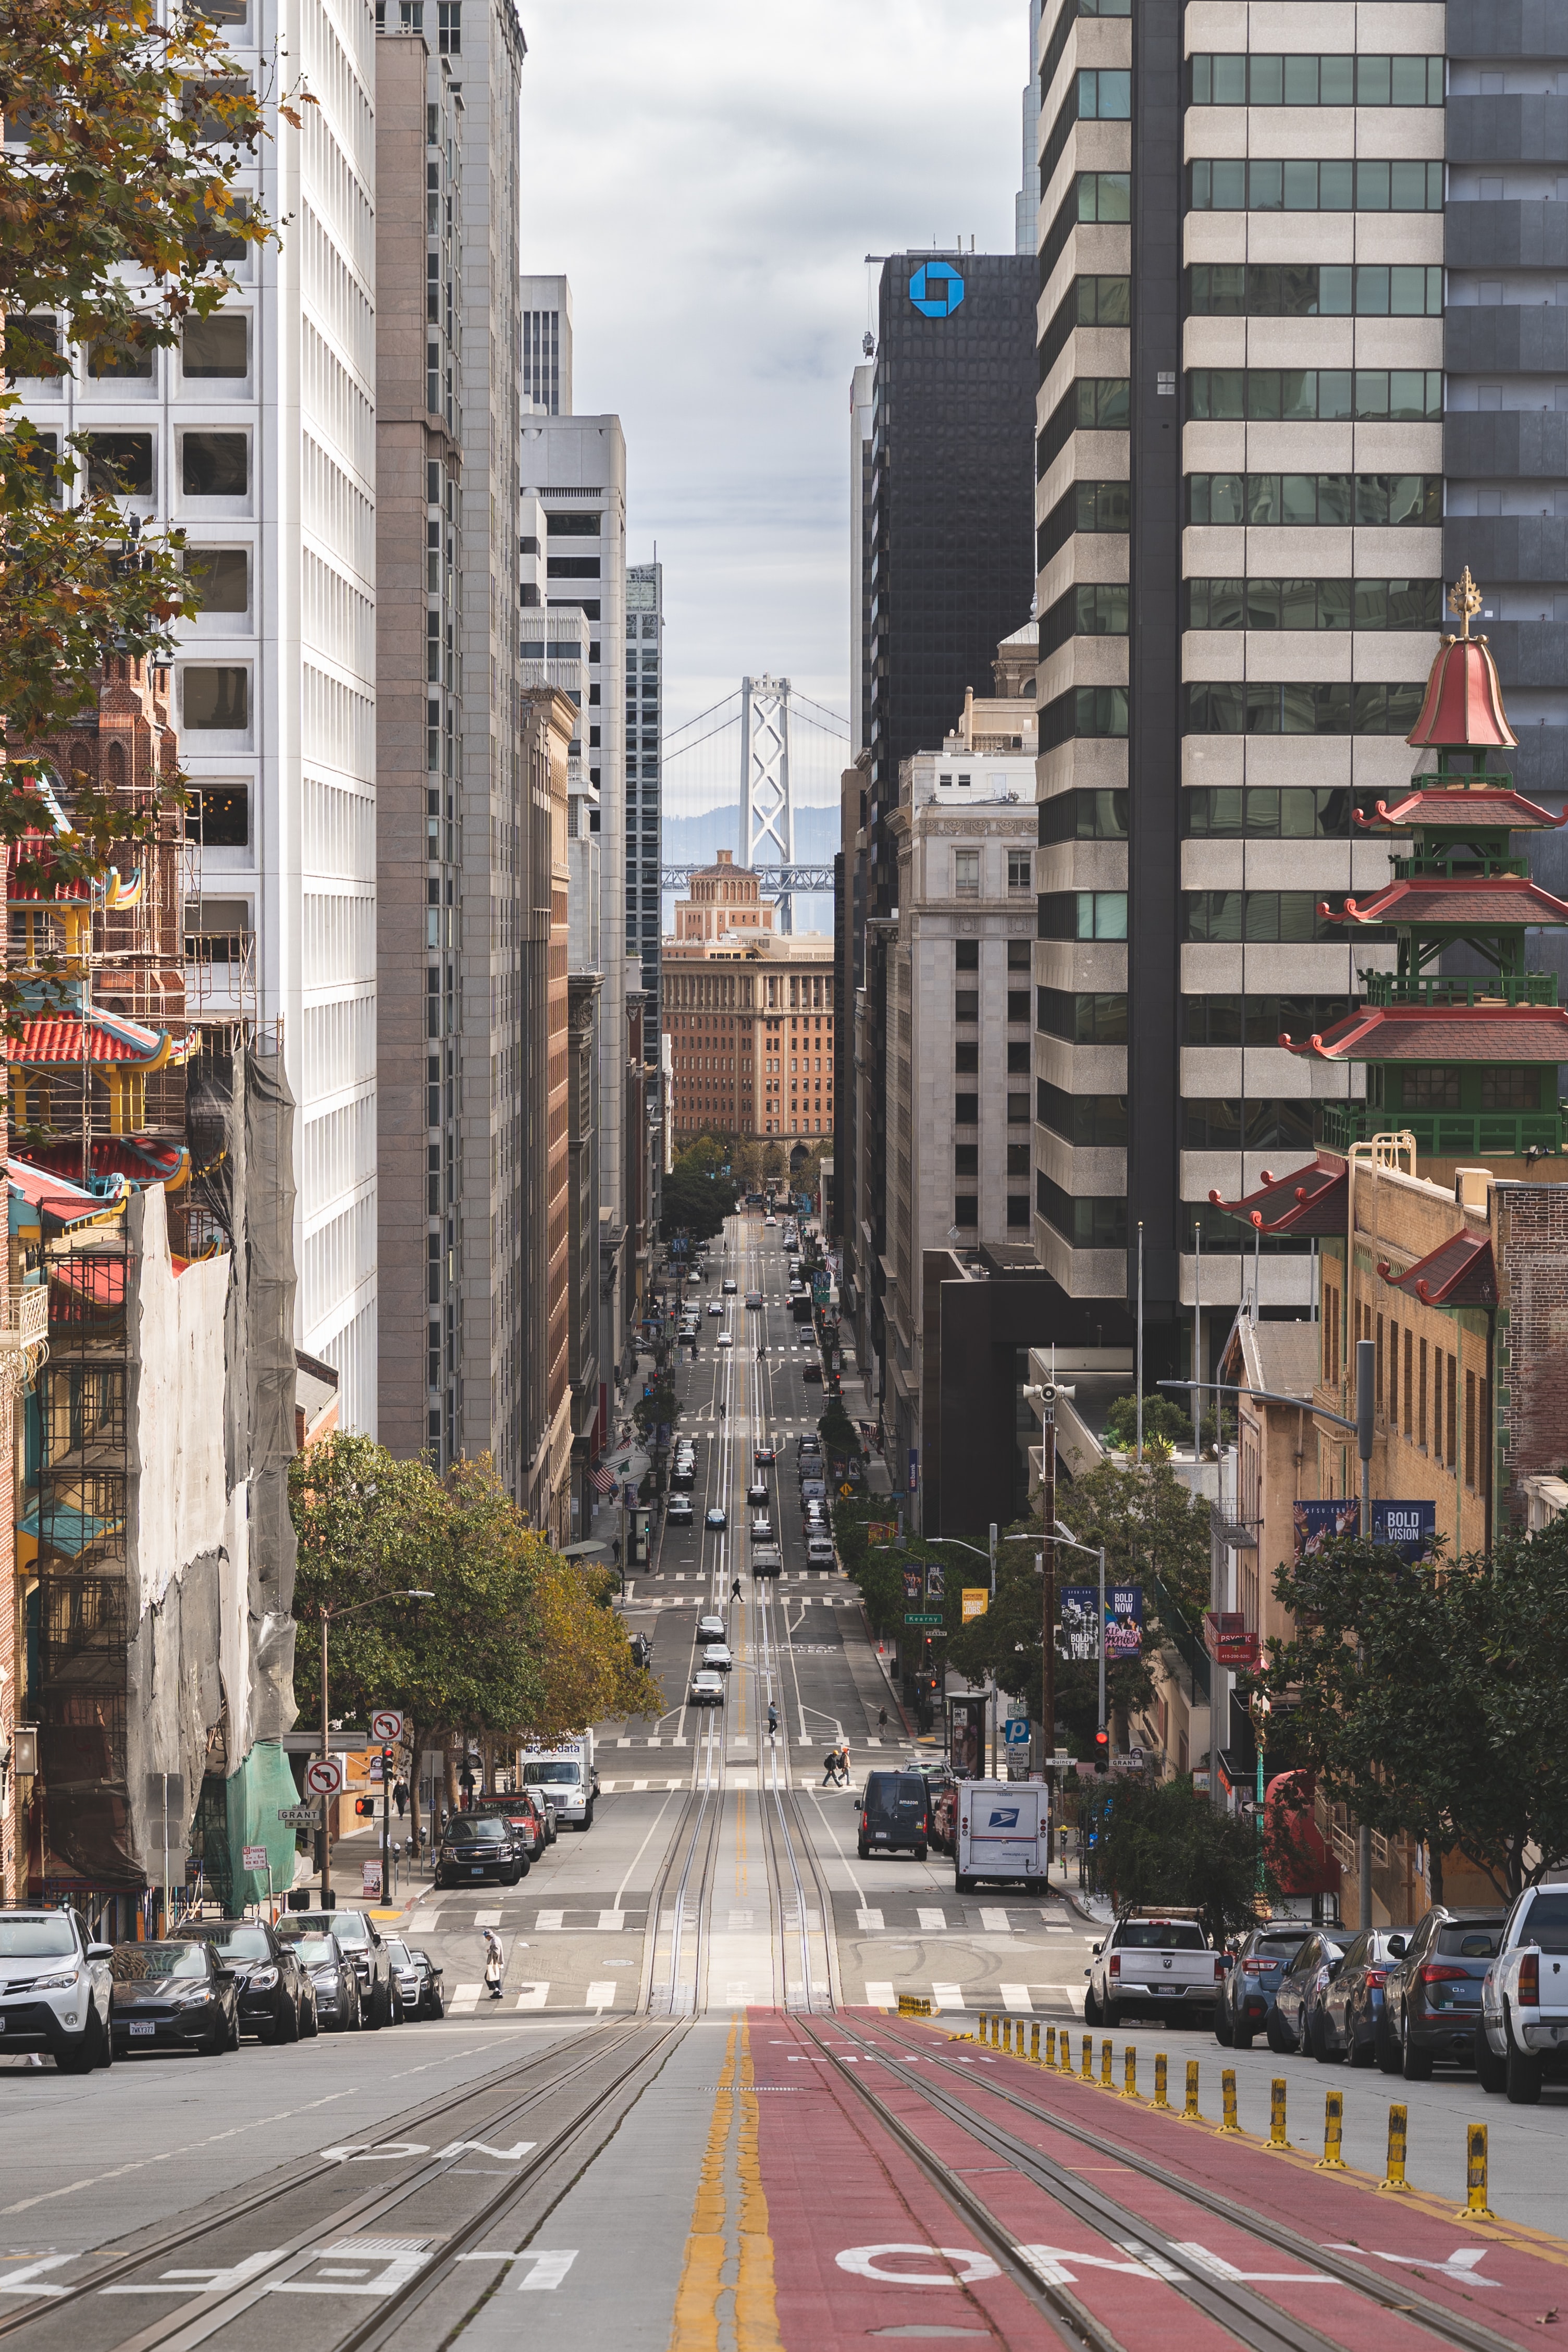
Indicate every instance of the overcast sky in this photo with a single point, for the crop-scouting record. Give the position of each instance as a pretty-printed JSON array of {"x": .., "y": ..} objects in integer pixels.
[{"x": 709, "y": 173}]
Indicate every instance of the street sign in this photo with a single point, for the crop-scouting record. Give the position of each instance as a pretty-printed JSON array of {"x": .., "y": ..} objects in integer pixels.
[
  {"x": 387, "y": 1727},
  {"x": 255, "y": 1857},
  {"x": 300, "y": 1817},
  {"x": 1015, "y": 1731},
  {"x": 923, "y": 1616},
  {"x": 324, "y": 1777}
]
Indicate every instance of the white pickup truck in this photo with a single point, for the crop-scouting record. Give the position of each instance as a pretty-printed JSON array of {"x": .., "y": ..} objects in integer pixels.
[
  {"x": 1156, "y": 1963},
  {"x": 1525, "y": 1998}
]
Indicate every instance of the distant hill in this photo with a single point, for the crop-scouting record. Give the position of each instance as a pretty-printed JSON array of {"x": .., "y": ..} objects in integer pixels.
[{"x": 697, "y": 840}]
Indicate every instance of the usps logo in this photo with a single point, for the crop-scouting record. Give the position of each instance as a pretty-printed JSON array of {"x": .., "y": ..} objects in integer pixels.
[{"x": 1003, "y": 1817}]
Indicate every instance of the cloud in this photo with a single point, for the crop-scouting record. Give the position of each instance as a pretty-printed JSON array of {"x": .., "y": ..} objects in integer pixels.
[{"x": 709, "y": 174}]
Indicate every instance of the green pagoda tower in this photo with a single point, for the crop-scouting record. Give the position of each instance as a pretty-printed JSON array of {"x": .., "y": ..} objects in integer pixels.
[{"x": 1464, "y": 1062}]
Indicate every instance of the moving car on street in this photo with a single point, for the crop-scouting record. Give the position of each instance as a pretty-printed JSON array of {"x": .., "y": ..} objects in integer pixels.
[
  {"x": 1247, "y": 1996},
  {"x": 681, "y": 1512},
  {"x": 754, "y": 1298},
  {"x": 730, "y": 1286},
  {"x": 334, "y": 1983},
  {"x": 759, "y": 1494},
  {"x": 362, "y": 1940},
  {"x": 173, "y": 1994},
  {"x": 711, "y": 1627},
  {"x": 895, "y": 1813},
  {"x": 707, "y": 1689},
  {"x": 716, "y": 1657},
  {"x": 1157, "y": 1964},
  {"x": 1523, "y": 2027},
  {"x": 763, "y": 1455},
  {"x": 717, "y": 1517},
  {"x": 1433, "y": 2000},
  {"x": 276, "y": 2002},
  {"x": 54, "y": 1988}
]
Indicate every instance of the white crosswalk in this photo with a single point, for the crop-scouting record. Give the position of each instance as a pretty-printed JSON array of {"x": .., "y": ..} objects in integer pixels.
[{"x": 1017, "y": 2000}]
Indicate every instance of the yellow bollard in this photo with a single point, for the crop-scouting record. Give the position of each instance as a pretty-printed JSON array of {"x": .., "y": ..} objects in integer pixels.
[
  {"x": 1017, "y": 2037},
  {"x": 1278, "y": 2143},
  {"x": 1330, "y": 2159},
  {"x": 1051, "y": 2045},
  {"x": 1160, "y": 2098},
  {"x": 1475, "y": 2208},
  {"x": 1128, "y": 2073},
  {"x": 987, "y": 2029},
  {"x": 1189, "y": 2113},
  {"x": 1106, "y": 2062},
  {"x": 1229, "y": 2128},
  {"x": 1394, "y": 2178},
  {"x": 1087, "y": 2071},
  {"x": 1034, "y": 2045}
]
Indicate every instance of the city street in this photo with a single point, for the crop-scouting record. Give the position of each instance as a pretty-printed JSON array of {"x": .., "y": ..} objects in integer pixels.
[{"x": 690, "y": 2103}]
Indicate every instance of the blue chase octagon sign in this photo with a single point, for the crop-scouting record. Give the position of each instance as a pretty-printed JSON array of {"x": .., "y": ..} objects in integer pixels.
[{"x": 935, "y": 290}]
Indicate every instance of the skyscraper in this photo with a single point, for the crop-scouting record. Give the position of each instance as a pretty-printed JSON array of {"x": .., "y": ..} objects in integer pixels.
[
  {"x": 547, "y": 345},
  {"x": 644, "y": 819}
]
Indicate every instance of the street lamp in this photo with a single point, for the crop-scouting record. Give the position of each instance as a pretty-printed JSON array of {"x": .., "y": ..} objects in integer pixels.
[
  {"x": 1260, "y": 1709},
  {"x": 328, "y": 1615},
  {"x": 1095, "y": 1551}
]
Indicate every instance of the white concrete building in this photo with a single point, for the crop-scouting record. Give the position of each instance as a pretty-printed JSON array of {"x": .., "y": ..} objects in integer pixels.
[{"x": 258, "y": 438}]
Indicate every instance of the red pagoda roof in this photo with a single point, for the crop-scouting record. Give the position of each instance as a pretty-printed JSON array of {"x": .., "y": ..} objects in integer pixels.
[
  {"x": 1479, "y": 905},
  {"x": 61, "y": 1205},
  {"x": 1462, "y": 708},
  {"x": 50, "y": 1038},
  {"x": 1459, "y": 1272},
  {"x": 140, "y": 1160},
  {"x": 1429, "y": 1032},
  {"x": 1309, "y": 1200},
  {"x": 1453, "y": 804}
]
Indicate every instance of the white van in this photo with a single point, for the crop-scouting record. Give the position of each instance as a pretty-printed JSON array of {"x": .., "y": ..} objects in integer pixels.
[
  {"x": 1003, "y": 1834},
  {"x": 820, "y": 1552},
  {"x": 564, "y": 1774}
]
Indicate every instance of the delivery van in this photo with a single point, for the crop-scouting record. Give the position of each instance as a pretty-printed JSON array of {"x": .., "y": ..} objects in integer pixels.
[{"x": 1003, "y": 1835}]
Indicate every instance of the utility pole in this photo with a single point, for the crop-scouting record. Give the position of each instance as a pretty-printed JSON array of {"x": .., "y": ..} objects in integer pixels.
[
  {"x": 1365, "y": 1375},
  {"x": 1048, "y": 1583},
  {"x": 327, "y": 1799}
]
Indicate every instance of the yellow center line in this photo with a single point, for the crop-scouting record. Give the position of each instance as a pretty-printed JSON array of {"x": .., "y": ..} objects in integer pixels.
[
  {"x": 694, "y": 2325},
  {"x": 755, "y": 2302}
]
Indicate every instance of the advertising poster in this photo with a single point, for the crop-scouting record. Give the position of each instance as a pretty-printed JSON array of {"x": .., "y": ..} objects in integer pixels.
[
  {"x": 911, "y": 1585},
  {"x": 1080, "y": 1616},
  {"x": 935, "y": 1586},
  {"x": 1124, "y": 1621},
  {"x": 1410, "y": 1529},
  {"x": 967, "y": 1717},
  {"x": 977, "y": 1601},
  {"x": 1318, "y": 1524}
]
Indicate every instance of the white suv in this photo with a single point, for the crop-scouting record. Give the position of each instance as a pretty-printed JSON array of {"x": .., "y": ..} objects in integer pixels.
[{"x": 53, "y": 1989}]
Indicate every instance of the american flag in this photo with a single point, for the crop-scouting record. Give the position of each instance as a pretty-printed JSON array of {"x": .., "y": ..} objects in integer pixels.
[{"x": 603, "y": 1478}]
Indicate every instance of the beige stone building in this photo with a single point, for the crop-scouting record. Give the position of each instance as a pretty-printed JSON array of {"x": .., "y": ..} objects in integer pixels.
[
  {"x": 549, "y": 720},
  {"x": 749, "y": 1014}
]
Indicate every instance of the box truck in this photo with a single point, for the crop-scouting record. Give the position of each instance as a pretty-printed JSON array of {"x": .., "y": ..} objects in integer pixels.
[{"x": 1003, "y": 1834}]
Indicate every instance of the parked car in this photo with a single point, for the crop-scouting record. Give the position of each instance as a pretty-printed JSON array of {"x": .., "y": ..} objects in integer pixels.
[
  {"x": 1352, "y": 2017},
  {"x": 707, "y": 1690},
  {"x": 1156, "y": 1963},
  {"x": 1523, "y": 2025},
  {"x": 276, "y": 2002},
  {"x": 896, "y": 1812},
  {"x": 334, "y": 1983},
  {"x": 363, "y": 1942},
  {"x": 172, "y": 1993},
  {"x": 711, "y": 1627},
  {"x": 683, "y": 1477},
  {"x": 406, "y": 1976},
  {"x": 1433, "y": 2001},
  {"x": 716, "y": 1657},
  {"x": 431, "y": 2000},
  {"x": 54, "y": 1988},
  {"x": 520, "y": 1811},
  {"x": 1252, "y": 1981},
  {"x": 479, "y": 1845},
  {"x": 717, "y": 1517},
  {"x": 1301, "y": 1988}
]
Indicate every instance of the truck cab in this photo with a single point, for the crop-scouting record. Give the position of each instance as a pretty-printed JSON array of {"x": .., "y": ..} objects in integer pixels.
[
  {"x": 1523, "y": 2029},
  {"x": 566, "y": 1775}
]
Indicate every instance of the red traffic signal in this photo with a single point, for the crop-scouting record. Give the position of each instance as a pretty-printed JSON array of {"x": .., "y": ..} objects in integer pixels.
[
  {"x": 1102, "y": 1750},
  {"x": 365, "y": 1807}
]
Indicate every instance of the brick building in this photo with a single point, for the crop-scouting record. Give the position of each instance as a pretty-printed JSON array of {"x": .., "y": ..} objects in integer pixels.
[{"x": 751, "y": 1016}]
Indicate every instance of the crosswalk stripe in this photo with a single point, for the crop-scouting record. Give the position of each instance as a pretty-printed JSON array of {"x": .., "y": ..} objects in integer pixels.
[
  {"x": 1016, "y": 1997},
  {"x": 947, "y": 1996},
  {"x": 466, "y": 1997},
  {"x": 881, "y": 1996},
  {"x": 533, "y": 1996},
  {"x": 599, "y": 1996}
]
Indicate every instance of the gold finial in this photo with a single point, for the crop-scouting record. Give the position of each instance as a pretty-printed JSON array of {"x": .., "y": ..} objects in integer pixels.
[{"x": 1464, "y": 599}]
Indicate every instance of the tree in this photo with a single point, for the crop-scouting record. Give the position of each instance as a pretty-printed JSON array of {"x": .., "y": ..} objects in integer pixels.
[
  {"x": 116, "y": 215},
  {"x": 1163, "y": 1420},
  {"x": 698, "y": 1196},
  {"x": 1163, "y": 1843},
  {"x": 1428, "y": 1698}
]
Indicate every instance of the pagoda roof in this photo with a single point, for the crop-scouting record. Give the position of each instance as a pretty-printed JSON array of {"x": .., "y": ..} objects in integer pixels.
[
  {"x": 1482, "y": 904},
  {"x": 53, "y": 1039},
  {"x": 63, "y": 1206},
  {"x": 116, "y": 1162},
  {"x": 1463, "y": 707},
  {"x": 1310, "y": 1200},
  {"x": 1429, "y": 1032},
  {"x": 1454, "y": 805},
  {"x": 1460, "y": 1272}
]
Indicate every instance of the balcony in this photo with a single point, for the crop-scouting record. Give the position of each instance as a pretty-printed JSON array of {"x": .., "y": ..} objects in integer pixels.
[
  {"x": 1445, "y": 1134},
  {"x": 1459, "y": 988}
]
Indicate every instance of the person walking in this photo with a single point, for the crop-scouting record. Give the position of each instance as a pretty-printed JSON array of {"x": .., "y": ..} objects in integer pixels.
[
  {"x": 772, "y": 1719},
  {"x": 400, "y": 1797},
  {"x": 495, "y": 1963},
  {"x": 882, "y": 1723},
  {"x": 831, "y": 1769}
]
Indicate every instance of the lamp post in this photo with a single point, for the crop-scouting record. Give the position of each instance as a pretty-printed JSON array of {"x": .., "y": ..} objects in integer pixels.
[
  {"x": 1260, "y": 1712},
  {"x": 1095, "y": 1551},
  {"x": 328, "y": 1617}
]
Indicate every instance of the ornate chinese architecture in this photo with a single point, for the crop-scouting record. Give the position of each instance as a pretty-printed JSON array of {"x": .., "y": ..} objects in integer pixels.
[{"x": 1465, "y": 1064}]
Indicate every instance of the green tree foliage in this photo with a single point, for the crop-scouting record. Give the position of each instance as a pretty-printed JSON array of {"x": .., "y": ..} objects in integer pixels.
[
  {"x": 698, "y": 1196},
  {"x": 116, "y": 212},
  {"x": 1163, "y": 1419},
  {"x": 1429, "y": 1699},
  {"x": 1163, "y": 1843}
]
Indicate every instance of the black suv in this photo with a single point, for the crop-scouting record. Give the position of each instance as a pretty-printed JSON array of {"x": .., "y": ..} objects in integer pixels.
[
  {"x": 277, "y": 1998},
  {"x": 896, "y": 1811},
  {"x": 362, "y": 1940},
  {"x": 479, "y": 1845}
]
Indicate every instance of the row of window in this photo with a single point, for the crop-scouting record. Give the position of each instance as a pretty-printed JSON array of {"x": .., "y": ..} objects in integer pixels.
[
  {"x": 967, "y": 1001},
  {"x": 1100, "y": 1017},
  {"x": 1092, "y": 608},
  {"x": 967, "y": 1207},
  {"x": 1232, "y": 78},
  {"x": 1322, "y": 395},
  {"x": 1312, "y": 290},
  {"x": 1206, "y": 1123},
  {"x": 967, "y": 1159},
  {"x": 967, "y": 872},
  {"x": 1209, "y": 812},
  {"x": 966, "y": 1057},
  {"x": 1336, "y": 184},
  {"x": 1325, "y": 499},
  {"x": 1211, "y": 916},
  {"x": 1314, "y": 604},
  {"x": 1085, "y": 1224},
  {"x": 1062, "y": 31},
  {"x": 211, "y": 350},
  {"x": 967, "y": 1109},
  {"x": 123, "y": 465},
  {"x": 1242, "y": 707},
  {"x": 966, "y": 956},
  {"x": 1098, "y": 94},
  {"x": 1083, "y": 711}
]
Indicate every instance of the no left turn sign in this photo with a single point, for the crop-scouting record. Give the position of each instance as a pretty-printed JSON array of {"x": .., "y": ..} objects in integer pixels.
[
  {"x": 324, "y": 1778},
  {"x": 386, "y": 1728}
]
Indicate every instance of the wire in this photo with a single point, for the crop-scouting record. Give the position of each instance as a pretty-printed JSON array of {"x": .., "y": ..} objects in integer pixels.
[{"x": 686, "y": 723}]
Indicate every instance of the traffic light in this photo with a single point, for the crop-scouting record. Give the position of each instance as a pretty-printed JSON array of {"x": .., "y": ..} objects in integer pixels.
[
  {"x": 365, "y": 1808},
  {"x": 1102, "y": 1750},
  {"x": 387, "y": 1756}
]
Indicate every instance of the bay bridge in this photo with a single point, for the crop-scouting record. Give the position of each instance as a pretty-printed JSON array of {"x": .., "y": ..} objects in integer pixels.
[{"x": 779, "y": 755}]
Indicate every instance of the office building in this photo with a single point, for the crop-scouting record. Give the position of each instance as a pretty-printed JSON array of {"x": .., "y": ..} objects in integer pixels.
[
  {"x": 644, "y": 840},
  {"x": 941, "y": 543},
  {"x": 549, "y": 724},
  {"x": 751, "y": 1016},
  {"x": 419, "y": 740},
  {"x": 1238, "y": 506},
  {"x": 547, "y": 346},
  {"x": 255, "y": 436}
]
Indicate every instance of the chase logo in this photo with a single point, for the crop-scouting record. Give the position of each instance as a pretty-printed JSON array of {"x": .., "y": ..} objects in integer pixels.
[
  {"x": 935, "y": 290},
  {"x": 1003, "y": 1817}
]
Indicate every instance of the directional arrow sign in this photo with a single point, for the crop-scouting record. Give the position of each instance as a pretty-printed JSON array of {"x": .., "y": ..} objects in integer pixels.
[
  {"x": 387, "y": 1727},
  {"x": 324, "y": 1778}
]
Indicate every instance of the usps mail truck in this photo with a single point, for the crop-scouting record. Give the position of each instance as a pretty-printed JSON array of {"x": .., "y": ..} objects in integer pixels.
[{"x": 1003, "y": 1834}]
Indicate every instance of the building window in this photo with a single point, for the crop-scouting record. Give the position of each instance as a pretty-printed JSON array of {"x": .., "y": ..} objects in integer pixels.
[
  {"x": 1262, "y": 707},
  {"x": 1337, "y": 500},
  {"x": 1093, "y": 1224},
  {"x": 1266, "y": 184},
  {"x": 1364, "y": 80},
  {"x": 215, "y": 348},
  {"x": 1082, "y": 915},
  {"x": 221, "y": 577},
  {"x": 965, "y": 1209},
  {"x": 217, "y": 698},
  {"x": 1329, "y": 395},
  {"x": 1020, "y": 875},
  {"x": 1017, "y": 1211},
  {"x": 965, "y": 872},
  {"x": 966, "y": 1110},
  {"x": 1258, "y": 603},
  {"x": 219, "y": 815},
  {"x": 966, "y": 955},
  {"x": 1018, "y": 1060},
  {"x": 1018, "y": 1110},
  {"x": 965, "y": 1160},
  {"x": 119, "y": 465},
  {"x": 449, "y": 28},
  {"x": 1237, "y": 290},
  {"x": 967, "y": 1004},
  {"x": 966, "y": 1059},
  {"x": 215, "y": 465}
]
